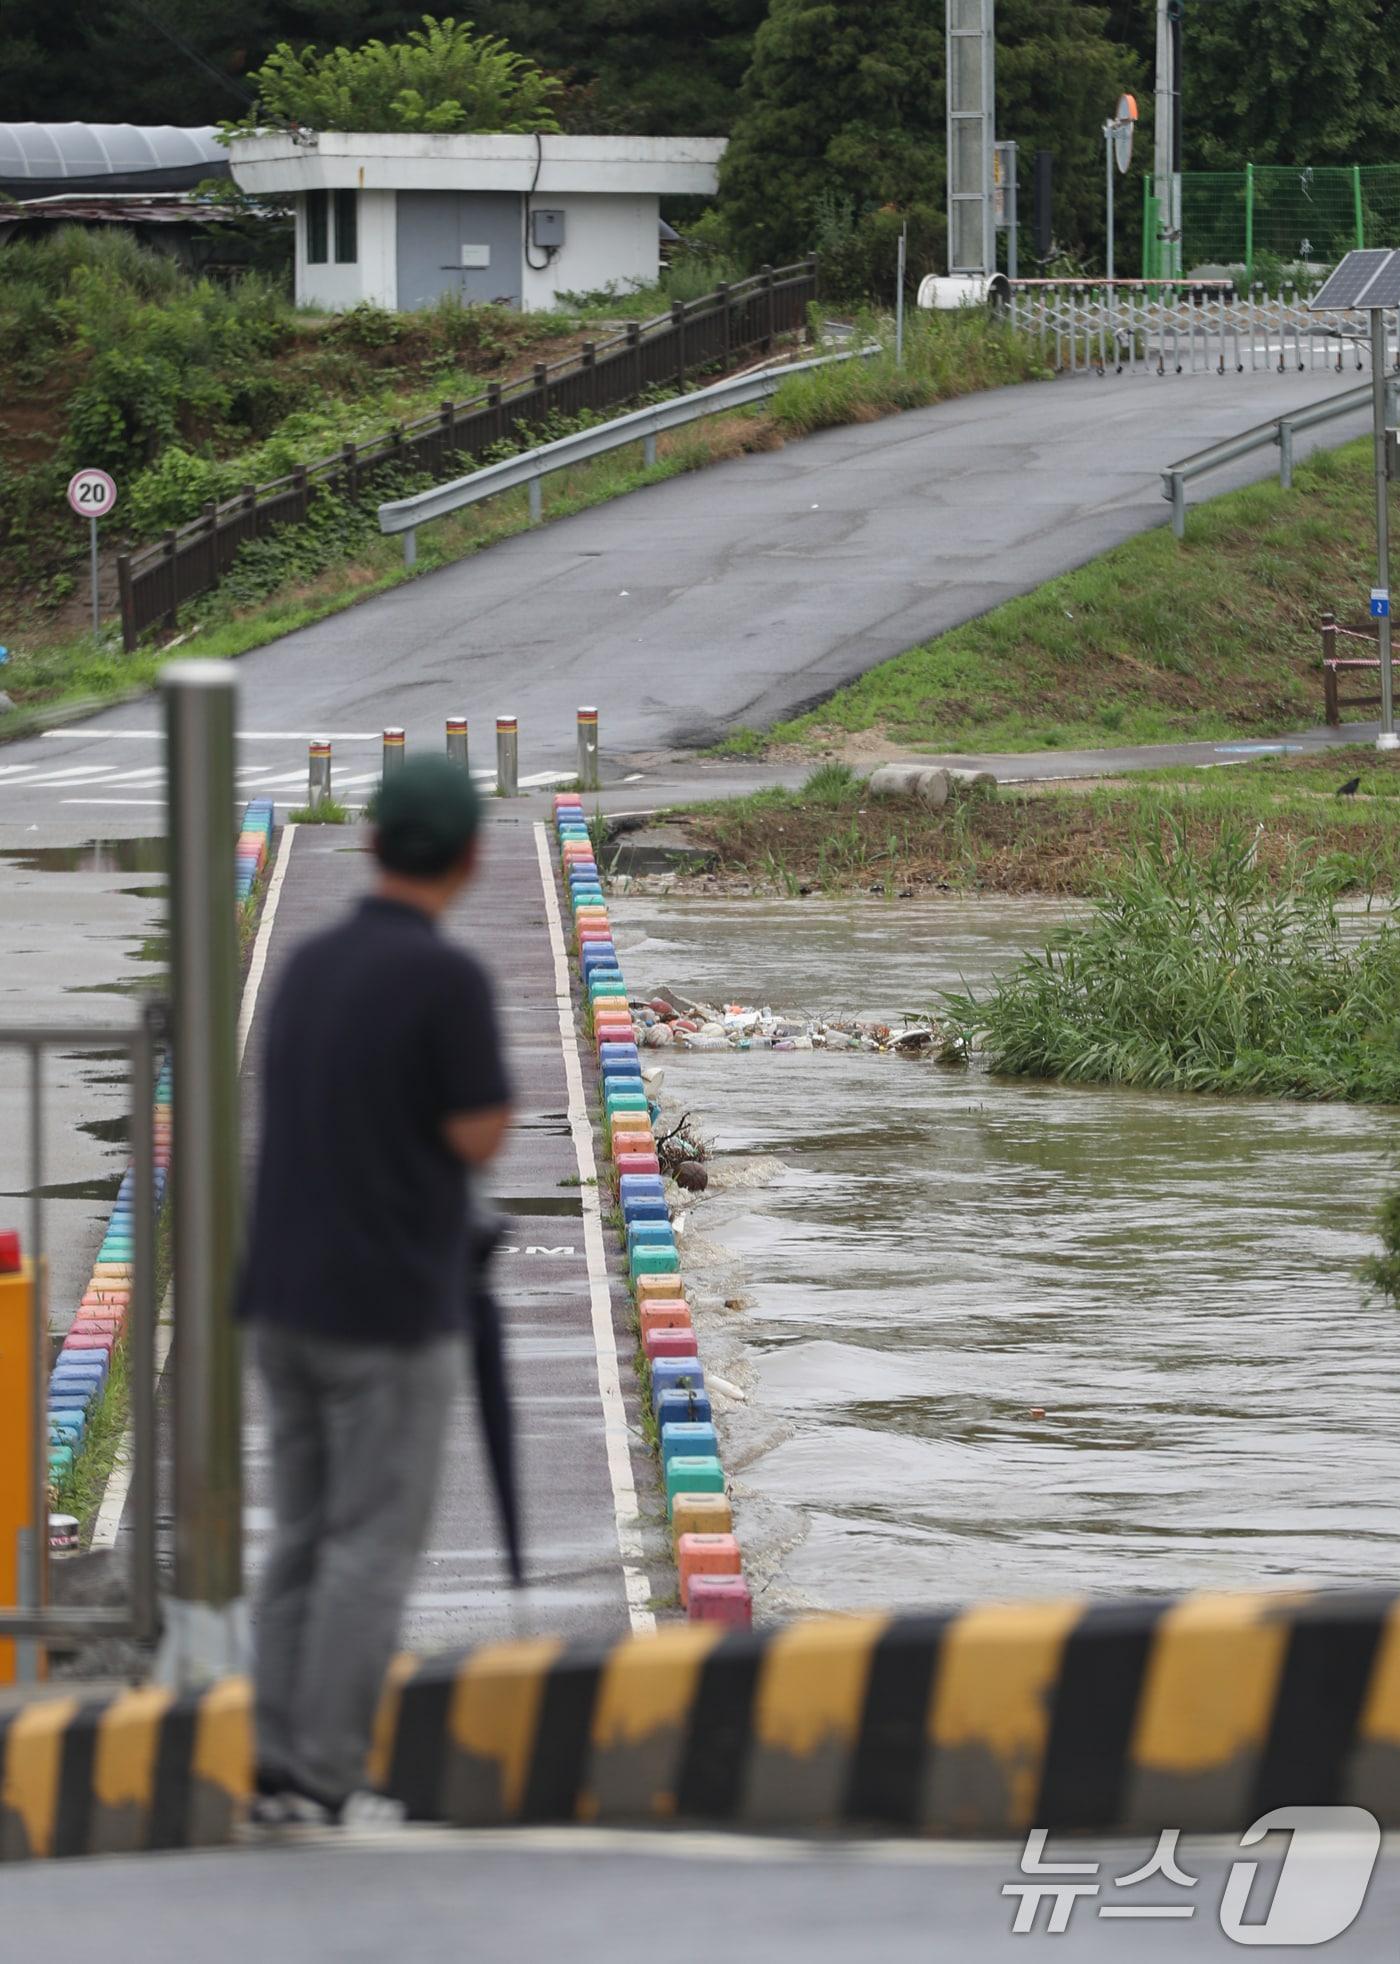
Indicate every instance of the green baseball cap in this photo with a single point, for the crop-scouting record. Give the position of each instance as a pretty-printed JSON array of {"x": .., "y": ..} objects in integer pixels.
[{"x": 426, "y": 814}]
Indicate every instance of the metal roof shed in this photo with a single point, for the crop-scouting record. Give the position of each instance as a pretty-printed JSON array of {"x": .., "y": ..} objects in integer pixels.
[{"x": 44, "y": 160}]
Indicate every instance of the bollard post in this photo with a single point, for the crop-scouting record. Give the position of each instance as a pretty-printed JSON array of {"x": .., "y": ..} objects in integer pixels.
[
  {"x": 206, "y": 1632},
  {"x": 318, "y": 773},
  {"x": 1285, "y": 454},
  {"x": 507, "y": 757},
  {"x": 588, "y": 750},
  {"x": 457, "y": 741},
  {"x": 393, "y": 750}
]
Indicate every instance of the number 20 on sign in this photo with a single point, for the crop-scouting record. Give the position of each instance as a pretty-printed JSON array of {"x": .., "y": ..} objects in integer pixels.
[{"x": 92, "y": 494}]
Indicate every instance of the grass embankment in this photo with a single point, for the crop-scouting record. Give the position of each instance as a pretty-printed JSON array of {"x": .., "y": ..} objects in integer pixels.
[
  {"x": 189, "y": 388},
  {"x": 1198, "y": 972},
  {"x": 833, "y": 837},
  {"x": 1155, "y": 640}
]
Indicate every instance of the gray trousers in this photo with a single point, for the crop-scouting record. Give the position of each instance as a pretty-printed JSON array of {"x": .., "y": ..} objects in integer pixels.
[{"x": 356, "y": 1441}]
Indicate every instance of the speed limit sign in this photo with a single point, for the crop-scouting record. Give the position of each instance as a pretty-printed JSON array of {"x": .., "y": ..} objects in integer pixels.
[{"x": 92, "y": 494}]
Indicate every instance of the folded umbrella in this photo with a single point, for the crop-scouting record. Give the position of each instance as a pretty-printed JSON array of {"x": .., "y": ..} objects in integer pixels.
[{"x": 487, "y": 1339}]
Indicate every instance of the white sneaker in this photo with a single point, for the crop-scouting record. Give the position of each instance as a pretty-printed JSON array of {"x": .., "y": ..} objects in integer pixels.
[{"x": 372, "y": 1813}]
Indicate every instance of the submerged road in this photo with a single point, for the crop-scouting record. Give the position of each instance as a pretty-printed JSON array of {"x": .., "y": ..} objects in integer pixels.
[
  {"x": 735, "y": 595},
  {"x": 563, "y": 1343}
]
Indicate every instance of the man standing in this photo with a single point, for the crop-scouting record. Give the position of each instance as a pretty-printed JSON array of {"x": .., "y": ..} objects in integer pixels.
[{"x": 383, "y": 1079}]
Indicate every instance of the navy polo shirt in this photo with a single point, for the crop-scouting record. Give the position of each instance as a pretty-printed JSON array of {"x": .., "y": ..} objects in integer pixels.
[{"x": 379, "y": 1030}]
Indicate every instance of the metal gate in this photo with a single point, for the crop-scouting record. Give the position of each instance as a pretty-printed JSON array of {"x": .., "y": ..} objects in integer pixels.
[{"x": 1162, "y": 327}]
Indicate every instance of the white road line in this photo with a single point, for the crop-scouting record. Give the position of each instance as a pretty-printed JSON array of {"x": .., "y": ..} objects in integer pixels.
[
  {"x": 75, "y": 775},
  {"x": 243, "y": 736},
  {"x": 109, "y": 1514},
  {"x": 264, "y": 940},
  {"x": 615, "y": 1432},
  {"x": 113, "y": 801}
]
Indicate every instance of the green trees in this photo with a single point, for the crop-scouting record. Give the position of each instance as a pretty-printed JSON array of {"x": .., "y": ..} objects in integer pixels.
[
  {"x": 841, "y": 132},
  {"x": 1299, "y": 82},
  {"x": 841, "y": 114},
  {"x": 442, "y": 78},
  {"x": 661, "y": 67},
  {"x": 1060, "y": 72}
]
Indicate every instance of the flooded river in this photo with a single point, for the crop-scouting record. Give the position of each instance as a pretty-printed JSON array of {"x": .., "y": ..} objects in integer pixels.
[{"x": 919, "y": 1259}]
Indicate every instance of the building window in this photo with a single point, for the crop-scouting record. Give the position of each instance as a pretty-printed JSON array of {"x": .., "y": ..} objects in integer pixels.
[
  {"x": 347, "y": 246},
  {"x": 315, "y": 228}
]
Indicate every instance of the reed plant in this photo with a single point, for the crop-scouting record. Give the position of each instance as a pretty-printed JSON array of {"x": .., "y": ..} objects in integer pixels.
[{"x": 1196, "y": 972}]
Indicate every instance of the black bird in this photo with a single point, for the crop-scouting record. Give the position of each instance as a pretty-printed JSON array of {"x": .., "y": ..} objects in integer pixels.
[{"x": 1350, "y": 788}]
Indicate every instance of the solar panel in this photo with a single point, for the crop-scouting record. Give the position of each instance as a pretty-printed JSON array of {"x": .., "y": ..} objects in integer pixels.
[
  {"x": 1350, "y": 285},
  {"x": 1384, "y": 290}
]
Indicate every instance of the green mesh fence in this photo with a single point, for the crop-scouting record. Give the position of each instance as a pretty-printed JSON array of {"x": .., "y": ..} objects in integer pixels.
[{"x": 1271, "y": 215}]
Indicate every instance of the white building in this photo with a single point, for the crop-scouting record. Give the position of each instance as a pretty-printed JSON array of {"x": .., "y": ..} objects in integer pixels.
[{"x": 401, "y": 220}]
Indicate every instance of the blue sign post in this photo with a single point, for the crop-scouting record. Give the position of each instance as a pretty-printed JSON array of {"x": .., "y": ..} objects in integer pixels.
[{"x": 1380, "y": 603}]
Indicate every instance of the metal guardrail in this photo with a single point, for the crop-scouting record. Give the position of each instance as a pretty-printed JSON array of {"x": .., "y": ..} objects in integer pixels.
[
  {"x": 696, "y": 335},
  {"x": 1280, "y": 430},
  {"x": 405, "y": 515}
]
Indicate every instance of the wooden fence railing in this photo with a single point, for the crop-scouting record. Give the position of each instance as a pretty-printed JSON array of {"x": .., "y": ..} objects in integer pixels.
[{"x": 667, "y": 352}]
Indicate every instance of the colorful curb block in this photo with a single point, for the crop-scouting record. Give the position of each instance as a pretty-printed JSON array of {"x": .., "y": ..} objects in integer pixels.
[
  {"x": 80, "y": 1370},
  {"x": 1200, "y": 1713},
  {"x": 689, "y": 1448}
]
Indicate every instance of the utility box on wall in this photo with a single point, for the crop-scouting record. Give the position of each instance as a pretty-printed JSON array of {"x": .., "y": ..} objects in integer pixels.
[{"x": 547, "y": 228}]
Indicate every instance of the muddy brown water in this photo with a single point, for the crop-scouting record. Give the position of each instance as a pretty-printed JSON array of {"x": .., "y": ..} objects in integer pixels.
[{"x": 924, "y": 1257}]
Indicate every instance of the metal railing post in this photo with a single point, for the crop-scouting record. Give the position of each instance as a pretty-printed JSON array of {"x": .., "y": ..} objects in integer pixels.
[
  {"x": 318, "y": 773},
  {"x": 142, "y": 1339},
  {"x": 536, "y": 500},
  {"x": 206, "y": 1619},
  {"x": 1285, "y": 453},
  {"x": 1387, "y": 738},
  {"x": 410, "y": 547},
  {"x": 393, "y": 751},
  {"x": 457, "y": 741},
  {"x": 507, "y": 757},
  {"x": 588, "y": 750},
  {"x": 1178, "y": 484}
]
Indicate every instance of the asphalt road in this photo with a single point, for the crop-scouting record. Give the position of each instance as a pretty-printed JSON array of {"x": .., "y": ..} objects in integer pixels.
[
  {"x": 738, "y": 594},
  {"x": 597, "y": 1897}
]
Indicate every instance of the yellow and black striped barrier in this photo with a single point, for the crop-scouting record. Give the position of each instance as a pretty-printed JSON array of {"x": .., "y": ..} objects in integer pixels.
[
  {"x": 114, "y": 1776},
  {"x": 1199, "y": 1713}
]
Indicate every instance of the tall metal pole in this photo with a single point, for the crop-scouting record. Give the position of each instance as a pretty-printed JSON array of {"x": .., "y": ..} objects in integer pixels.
[
  {"x": 205, "y": 1625},
  {"x": 899, "y": 296},
  {"x": 1162, "y": 136},
  {"x": 1387, "y": 740},
  {"x": 1108, "y": 130},
  {"x": 92, "y": 556}
]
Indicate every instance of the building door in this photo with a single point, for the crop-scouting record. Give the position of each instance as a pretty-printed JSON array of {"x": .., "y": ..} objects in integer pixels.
[{"x": 467, "y": 243}]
